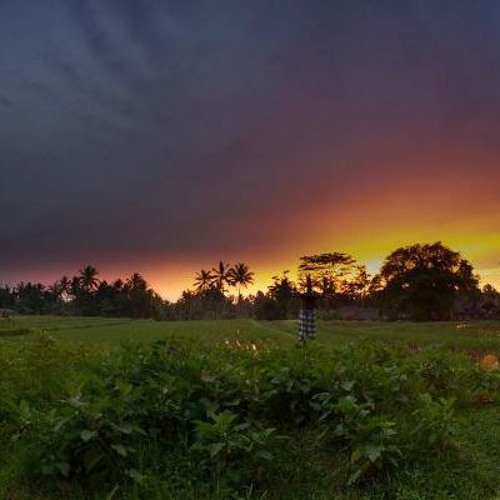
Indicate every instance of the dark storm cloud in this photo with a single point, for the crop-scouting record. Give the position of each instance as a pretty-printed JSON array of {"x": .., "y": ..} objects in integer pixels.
[
  {"x": 91, "y": 96},
  {"x": 139, "y": 18},
  {"x": 97, "y": 40},
  {"x": 155, "y": 128},
  {"x": 6, "y": 102}
]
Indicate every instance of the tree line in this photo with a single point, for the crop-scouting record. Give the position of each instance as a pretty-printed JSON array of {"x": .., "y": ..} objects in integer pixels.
[
  {"x": 85, "y": 295},
  {"x": 418, "y": 282}
]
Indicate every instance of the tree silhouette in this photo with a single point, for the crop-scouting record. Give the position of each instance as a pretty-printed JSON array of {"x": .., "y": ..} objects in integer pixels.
[
  {"x": 65, "y": 287},
  {"x": 62, "y": 289},
  {"x": 422, "y": 282},
  {"x": 356, "y": 286},
  {"x": 136, "y": 282},
  {"x": 335, "y": 276},
  {"x": 83, "y": 288},
  {"x": 7, "y": 298},
  {"x": 139, "y": 296},
  {"x": 222, "y": 276},
  {"x": 29, "y": 297},
  {"x": 282, "y": 292},
  {"x": 240, "y": 275},
  {"x": 204, "y": 280},
  {"x": 87, "y": 279},
  {"x": 328, "y": 271}
]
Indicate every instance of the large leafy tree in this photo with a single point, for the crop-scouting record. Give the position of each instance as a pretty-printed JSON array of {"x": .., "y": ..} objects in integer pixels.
[{"x": 422, "y": 281}]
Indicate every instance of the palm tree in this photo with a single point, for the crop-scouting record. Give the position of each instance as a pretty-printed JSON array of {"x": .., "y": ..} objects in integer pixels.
[
  {"x": 204, "y": 280},
  {"x": 65, "y": 286},
  {"x": 87, "y": 278},
  {"x": 61, "y": 289},
  {"x": 221, "y": 275},
  {"x": 136, "y": 282},
  {"x": 139, "y": 303},
  {"x": 118, "y": 285},
  {"x": 240, "y": 275}
]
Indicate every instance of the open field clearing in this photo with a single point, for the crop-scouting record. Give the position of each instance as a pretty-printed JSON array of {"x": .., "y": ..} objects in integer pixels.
[
  {"x": 116, "y": 331},
  {"x": 467, "y": 336},
  {"x": 473, "y": 336},
  {"x": 112, "y": 408}
]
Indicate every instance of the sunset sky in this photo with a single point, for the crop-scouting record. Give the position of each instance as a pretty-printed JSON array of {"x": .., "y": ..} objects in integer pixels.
[{"x": 162, "y": 136}]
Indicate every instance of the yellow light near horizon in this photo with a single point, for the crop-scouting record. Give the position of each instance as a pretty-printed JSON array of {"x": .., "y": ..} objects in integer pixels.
[{"x": 370, "y": 227}]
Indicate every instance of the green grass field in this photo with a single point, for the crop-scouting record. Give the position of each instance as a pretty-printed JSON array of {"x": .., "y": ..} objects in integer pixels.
[
  {"x": 41, "y": 371},
  {"x": 472, "y": 336}
]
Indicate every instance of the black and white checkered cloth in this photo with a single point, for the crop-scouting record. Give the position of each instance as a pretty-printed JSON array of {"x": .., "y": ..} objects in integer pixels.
[{"x": 306, "y": 325}]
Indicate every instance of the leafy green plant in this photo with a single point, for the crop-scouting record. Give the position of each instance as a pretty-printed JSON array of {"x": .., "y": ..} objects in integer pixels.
[
  {"x": 434, "y": 422},
  {"x": 96, "y": 418},
  {"x": 369, "y": 439},
  {"x": 222, "y": 442}
]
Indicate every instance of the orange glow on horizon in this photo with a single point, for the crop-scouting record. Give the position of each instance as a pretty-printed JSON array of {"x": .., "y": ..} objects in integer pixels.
[
  {"x": 368, "y": 224},
  {"x": 372, "y": 224},
  {"x": 172, "y": 283}
]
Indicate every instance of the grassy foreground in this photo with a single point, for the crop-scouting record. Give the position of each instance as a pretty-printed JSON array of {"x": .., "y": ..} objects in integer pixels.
[
  {"x": 466, "y": 336},
  {"x": 233, "y": 409}
]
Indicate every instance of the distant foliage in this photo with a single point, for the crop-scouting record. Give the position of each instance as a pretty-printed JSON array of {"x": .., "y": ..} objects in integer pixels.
[
  {"x": 85, "y": 295},
  {"x": 418, "y": 282}
]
